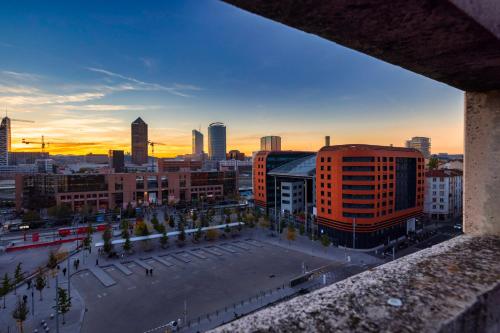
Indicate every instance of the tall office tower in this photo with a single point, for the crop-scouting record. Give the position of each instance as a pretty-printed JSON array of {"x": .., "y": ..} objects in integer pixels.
[
  {"x": 117, "y": 160},
  {"x": 270, "y": 143},
  {"x": 5, "y": 141},
  {"x": 421, "y": 143},
  {"x": 197, "y": 144},
  {"x": 139, "y": 142},
  {"x": 217, "y": 141}
]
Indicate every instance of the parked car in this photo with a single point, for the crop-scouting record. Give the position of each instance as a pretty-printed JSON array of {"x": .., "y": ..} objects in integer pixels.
[{"x": 457, "y": 226}]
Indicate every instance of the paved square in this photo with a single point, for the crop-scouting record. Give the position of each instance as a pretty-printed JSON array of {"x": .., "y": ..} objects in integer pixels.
[{"x": 138, "y": 302}]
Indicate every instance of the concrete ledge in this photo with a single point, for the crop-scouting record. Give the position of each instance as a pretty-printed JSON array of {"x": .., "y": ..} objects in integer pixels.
[{"x": 451, "y": 287}]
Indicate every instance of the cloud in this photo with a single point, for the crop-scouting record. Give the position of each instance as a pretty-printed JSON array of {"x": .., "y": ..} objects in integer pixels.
[
  {"x": 21, "y": 76},
  {"x": 39, "y": 98},
  {"x": 176, "y": 89},
  {"x": 106, "y": 107}
]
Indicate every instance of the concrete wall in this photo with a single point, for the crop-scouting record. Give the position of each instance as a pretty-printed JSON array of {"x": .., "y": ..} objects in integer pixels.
[{"x": 482, "y": 163}]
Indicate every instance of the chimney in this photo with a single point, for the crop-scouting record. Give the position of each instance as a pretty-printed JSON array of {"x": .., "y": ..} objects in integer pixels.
[{"x": 327, "y": 141}]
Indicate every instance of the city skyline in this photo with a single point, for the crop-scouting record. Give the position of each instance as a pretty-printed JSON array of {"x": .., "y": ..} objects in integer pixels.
[{"x": 85, "y": 75}]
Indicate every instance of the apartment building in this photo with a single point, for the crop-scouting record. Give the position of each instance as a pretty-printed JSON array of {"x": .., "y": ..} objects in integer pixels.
[{"x": 443, "y": 194}]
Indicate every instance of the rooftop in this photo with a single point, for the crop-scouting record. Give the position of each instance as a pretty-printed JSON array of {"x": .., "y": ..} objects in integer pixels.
[
  {"x": 366, "y": 147},
  {"x": 304, "y": 167}
]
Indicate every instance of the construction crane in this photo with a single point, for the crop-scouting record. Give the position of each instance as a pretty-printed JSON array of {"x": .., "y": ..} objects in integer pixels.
[
  {"x": 153, "y": 144},
  {"x": 42, "y": 143}
]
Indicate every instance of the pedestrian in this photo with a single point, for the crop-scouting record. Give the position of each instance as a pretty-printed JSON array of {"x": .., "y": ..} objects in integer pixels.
[
  {"x": 147, "y": 272},
  {"x": 97, "y": 262},
  {"x": 77, "y": 263},
  {"x": 64, "y": 271},
  {"x": 151, "y": 272},
  {"x": 29, "y": 284}
]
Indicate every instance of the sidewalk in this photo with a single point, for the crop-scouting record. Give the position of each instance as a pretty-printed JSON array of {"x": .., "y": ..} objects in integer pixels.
[
  {"x": 43, "y": 310},
  {"x": 315, "y": 248}
]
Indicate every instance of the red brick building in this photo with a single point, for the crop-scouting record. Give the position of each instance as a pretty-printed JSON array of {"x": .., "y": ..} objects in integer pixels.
[{"x": 107, "y": 191}]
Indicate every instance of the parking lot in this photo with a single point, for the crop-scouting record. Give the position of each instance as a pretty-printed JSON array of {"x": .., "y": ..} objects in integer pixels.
[{"x": 205, "y": 279}]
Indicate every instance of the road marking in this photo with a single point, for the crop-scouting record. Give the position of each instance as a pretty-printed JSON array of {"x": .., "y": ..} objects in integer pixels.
[{"x": 131, "y": 287}]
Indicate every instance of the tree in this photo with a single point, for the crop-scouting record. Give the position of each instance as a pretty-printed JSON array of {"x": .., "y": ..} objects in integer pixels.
[
  {"x": 291, "y": 234},
  {"x": 31, "y": 216},
  {"x": 127, "y": 245},
  {"x": 18, "y": 276},
  {"x": 5, "y": 287},
  {"x": 181, "y": 237},
  {"x": 171, "y": 221},
  {"x": 63, "y": 302},
  {"x": 87, "y": 241},
  {"x": 154, "y": 221},
  {"x": 40, "y": 282},
  {"x": 194, "y": 216},
  {"x": 227, "y": 230},
  {"x": 52, "y": 263},
  {"x": 325, "y": 241},
  {"x": 433, "y": 163},
  {"x": 228, "y": 219},
  {"x": 106, "y": 237},
  {"x": 20, "y": 313},
  {"x": 212, "y": 234},
  {"x": 198, "y": 233},
  {"x": 164, "y": 238},
  {"x": 302, "y": 229}
]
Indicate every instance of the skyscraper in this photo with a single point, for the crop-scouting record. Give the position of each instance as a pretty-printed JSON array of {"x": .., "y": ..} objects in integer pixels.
[
  {"x": 217, "y": 141},
  {"x": 197, "y": 144},
  {"x": 420, "y": 143},
  {"x": 5, "y": 141},
  {"x": 117, "y": 160},
  {"x": 139, "y": 142},
  {"x": 270, "y": 143}
]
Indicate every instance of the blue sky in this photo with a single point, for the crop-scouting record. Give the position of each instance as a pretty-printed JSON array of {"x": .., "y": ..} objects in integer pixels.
[{"x": 83, "y": 70}]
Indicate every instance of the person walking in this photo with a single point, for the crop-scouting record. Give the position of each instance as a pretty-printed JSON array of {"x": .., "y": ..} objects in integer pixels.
[
  {"x": 64, "y": 271},
  {"x": 97, "y": 262},
  {"x": 151, "y": 272},
  {"x": 147, "y": 272}
]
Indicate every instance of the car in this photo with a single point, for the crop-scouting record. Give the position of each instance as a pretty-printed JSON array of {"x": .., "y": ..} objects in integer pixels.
[{"x": 457, "y": 226}]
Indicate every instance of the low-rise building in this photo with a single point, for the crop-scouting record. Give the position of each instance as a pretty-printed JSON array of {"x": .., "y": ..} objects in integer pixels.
[
  {"x": 443, "y": 194},
  {"x": 107, "y": 191}
]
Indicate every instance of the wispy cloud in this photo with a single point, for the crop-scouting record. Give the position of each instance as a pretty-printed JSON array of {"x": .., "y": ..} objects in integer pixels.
[
  {"x": 40, "y": 98},
  {"x": 21, "y": 76},
  {"x": 135, "y": 84}
]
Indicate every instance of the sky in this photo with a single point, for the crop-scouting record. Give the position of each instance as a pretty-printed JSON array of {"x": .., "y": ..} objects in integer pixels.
[{"x": 84, "y": 70}]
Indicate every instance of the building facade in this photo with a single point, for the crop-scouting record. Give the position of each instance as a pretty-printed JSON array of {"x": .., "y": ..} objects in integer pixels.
[
  {"x": 292, "y": 197},
  {"x": 197, "y": 143},
  {"x": 368, "y": 195},
  {"x": 443, "y": 194},
  {"x": 420, "y": 143},
  {"x": 266, "y": 187},
  {"x": 108, "y": 191},
  {"x": 116, "y": 160},
  {"x": 270, "y": 143},
  {"x": 217, "y": 141},
  {"x": 26, "y": 157},
  {"x": 173, "y": 165},
  {"x": 5, "y": 141},
  {"x": 235, "y": 155},
  {"x": 139, "y": 130}
]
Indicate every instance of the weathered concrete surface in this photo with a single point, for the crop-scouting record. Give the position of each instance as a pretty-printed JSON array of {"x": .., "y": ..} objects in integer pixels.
[
  {"x": 453, "y": 41},
  {"x": 482, "y": 163},
  {"x": 451, "y": 287}
]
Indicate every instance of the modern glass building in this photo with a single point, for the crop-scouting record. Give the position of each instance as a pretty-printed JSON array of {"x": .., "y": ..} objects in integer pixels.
[
  {"x": 197, "y": 143},
  {"x": 217, "y": 141},
  {"x": 270, "y": 143},
  {"x": 5, "y": 141}
]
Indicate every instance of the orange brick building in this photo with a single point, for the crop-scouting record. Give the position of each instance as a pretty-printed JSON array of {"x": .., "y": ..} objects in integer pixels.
[{"x": 375, "y": 190}]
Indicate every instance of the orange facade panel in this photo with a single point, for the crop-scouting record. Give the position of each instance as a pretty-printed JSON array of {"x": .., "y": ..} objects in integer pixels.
[{"x": 360, "y": 182}]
